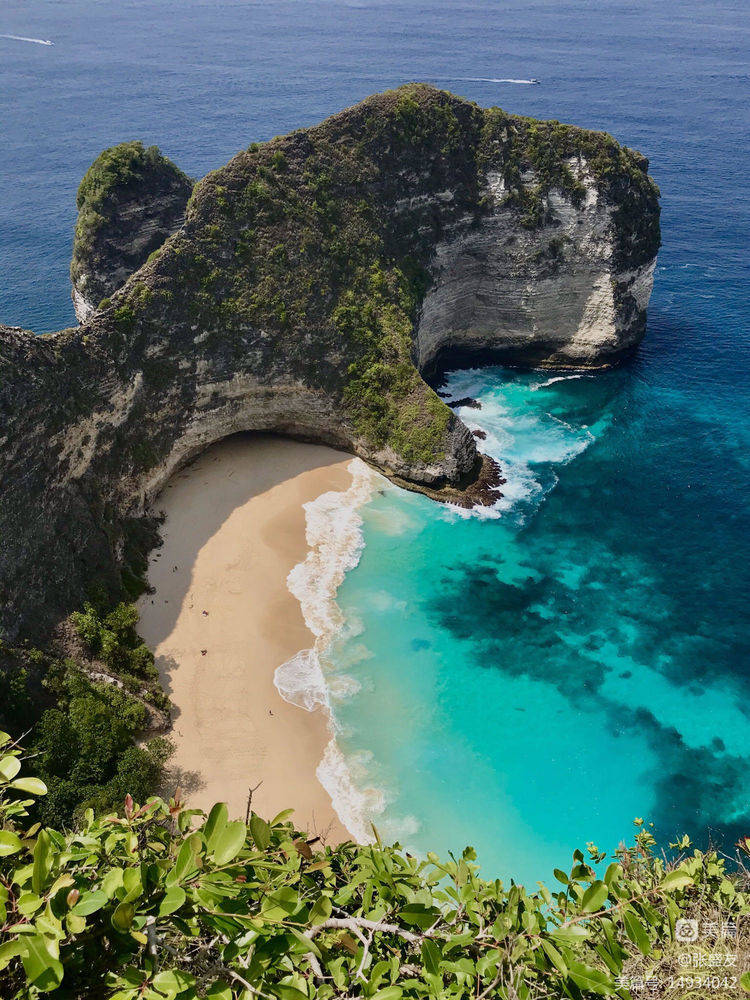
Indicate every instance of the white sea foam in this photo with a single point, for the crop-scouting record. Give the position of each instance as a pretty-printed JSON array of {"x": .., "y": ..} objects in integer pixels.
[
  {"x": 301, "y": 681},
  {"x": 356, "y": 805},
  {"x": 359, "y": 804},
  {"x": 334, "y": 535},
  {"x": 525, "y": 440},
  {"x": 557, "y": 378},
  {"x": 22, "y": 38}
]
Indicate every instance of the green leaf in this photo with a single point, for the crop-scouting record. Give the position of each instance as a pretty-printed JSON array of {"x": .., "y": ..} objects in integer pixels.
[
  {"x": 29, "y": 903},
  {"x": 261, "y": 832},
  {"x": 90, "y": 902},
  {"x": 636, "y": 932},
  {"x": 389, "y": 993},
  {"x": 590, "y": 979},
  {"x": 280, "y": 817},
  {"x": 42, "y": 861},
  {"x": 431, "y": 956},
  {"x": 594, "y": 897},
  {"x": 172, "y": 981},
  {"x": 554, "y": 956},
  {"x": 9, "y": 767},
  {"x": 112, "y": 881},
  {"x": 613, "y": 872},
  {"x": 219, "y": 991},
  {"x": 75, "y": 924},
  {"x": 744, "y": 981},
  {"x": 570, "y": 935},
  {"x": 173, "y": 900},
  {"x": 217, "y": 820},
  {"x": 321, "y": 910},
  {"x": 676, "y": 880},
  {"x": 230, "y": 842},
  {"x": 9, "y": 843},
  {"x": 280, "y": 904},
  {"x": 44, "y": 971},
  {"x": 286, "y": 992},
  {"x": 419, "y": 915},
  {"x": 132, "y": 884},
  {"x": 122, "y": 918},
  {"x": 9, "y": 951},
  {"x": 561, "y": 876},
  {"x": 31, "y": 785},
  {"x": 185, "y": 863}
]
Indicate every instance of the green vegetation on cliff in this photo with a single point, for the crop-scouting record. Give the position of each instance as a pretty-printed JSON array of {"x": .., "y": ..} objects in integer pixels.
[
  {"x": 84, "y": 714},
  {"x": 161, "y": 902},
  {"x": 118, "y": 176},
  {"x": 316, "y": 252},
  {"x": 546, "y": 150},
  {"x": 326, "y": 236}
]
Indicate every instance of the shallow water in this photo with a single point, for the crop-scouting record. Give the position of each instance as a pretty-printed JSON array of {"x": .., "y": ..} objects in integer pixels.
[{"x": 535, "y": 680}]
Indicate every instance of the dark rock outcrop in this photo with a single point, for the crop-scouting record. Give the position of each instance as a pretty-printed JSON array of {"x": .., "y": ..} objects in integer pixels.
[
  {"x": 313, "y": 281},
  {"x": 129, "y": 202}
]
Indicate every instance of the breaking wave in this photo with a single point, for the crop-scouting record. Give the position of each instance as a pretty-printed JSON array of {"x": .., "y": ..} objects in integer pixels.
[
  {"x": 335, "y": 540},
  {"x": 526, "y": 441}
]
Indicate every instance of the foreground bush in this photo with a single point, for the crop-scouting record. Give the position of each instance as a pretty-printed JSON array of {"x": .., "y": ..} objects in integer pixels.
[{"x": 162, "y": 902}]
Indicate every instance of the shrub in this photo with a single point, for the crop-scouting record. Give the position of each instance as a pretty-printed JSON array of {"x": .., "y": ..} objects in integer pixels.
[
  {"x": 113, "y": 637},
  {"x": 162, "y": 902},
  {"x": 86, "y": 750}
]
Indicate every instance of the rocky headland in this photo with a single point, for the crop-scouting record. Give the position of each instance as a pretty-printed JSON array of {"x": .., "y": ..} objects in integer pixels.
[{"x": 308, "y": 288}]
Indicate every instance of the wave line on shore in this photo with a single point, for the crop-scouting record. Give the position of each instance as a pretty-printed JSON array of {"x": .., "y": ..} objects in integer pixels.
[{"x": 335, "y": 540}]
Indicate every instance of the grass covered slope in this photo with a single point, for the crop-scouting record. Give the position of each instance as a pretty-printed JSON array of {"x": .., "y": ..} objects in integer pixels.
[{"x": 161, "y": 902}]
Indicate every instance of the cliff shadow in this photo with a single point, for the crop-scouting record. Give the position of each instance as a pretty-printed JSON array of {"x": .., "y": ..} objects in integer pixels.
[{"x": 197, "y": 500}]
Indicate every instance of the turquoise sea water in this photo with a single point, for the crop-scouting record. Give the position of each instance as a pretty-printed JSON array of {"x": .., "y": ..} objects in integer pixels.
[
  {"x": 536, "y": 680},
  {"x": 565, "y": 667}
]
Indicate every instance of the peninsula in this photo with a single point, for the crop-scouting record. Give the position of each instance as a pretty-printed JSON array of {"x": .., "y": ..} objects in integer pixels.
[{"x": 307, "y": 288}]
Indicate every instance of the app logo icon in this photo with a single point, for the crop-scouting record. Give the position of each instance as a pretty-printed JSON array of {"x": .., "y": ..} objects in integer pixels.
[{"x": 686, "y": 930}]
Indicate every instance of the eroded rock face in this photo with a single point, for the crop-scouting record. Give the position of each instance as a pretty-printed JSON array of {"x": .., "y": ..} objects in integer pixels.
[
  {"x": 565, "y": 293},
  {"x": 129, "y": 202},
  {"x": 312, "y": 282}
]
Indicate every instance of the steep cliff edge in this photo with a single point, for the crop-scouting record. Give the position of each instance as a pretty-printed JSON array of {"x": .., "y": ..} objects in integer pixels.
[
  {"x": 117, "y": 226},
  {"x": 313, "y": 281}
]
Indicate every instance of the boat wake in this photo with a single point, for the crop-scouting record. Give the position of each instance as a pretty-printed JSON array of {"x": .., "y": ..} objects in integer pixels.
[
  {"x": 22, "y": 38},
  {"x": 491, "y": 79}
]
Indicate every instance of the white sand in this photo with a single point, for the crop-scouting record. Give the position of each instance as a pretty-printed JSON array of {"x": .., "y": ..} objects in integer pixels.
[{"x": 222, "y": 619}]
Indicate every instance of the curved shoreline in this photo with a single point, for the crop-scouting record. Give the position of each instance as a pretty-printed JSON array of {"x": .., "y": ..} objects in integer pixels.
[
  {"x": 221, "y": 619},
  {"x": 334, "y": 535}
]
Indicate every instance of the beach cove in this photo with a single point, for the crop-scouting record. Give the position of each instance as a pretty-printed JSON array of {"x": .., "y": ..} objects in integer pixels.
[{"x": 221, "y": 619}]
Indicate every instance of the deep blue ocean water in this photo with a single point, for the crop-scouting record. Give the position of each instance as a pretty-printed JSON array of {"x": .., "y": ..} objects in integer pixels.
[{"x": 535, "y": 681}]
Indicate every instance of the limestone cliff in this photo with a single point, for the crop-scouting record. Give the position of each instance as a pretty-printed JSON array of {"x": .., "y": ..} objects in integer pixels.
[
  {"x": 117, "y": 226},
  {"x": 313, "y": 281}
]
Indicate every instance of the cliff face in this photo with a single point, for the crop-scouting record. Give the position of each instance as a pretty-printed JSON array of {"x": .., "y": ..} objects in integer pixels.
[
  {"x": 117, "y": 226},
  {"x": 312, "y": 282}
]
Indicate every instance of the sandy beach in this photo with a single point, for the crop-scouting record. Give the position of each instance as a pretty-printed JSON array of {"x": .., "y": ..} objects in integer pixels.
[{"x": 221, "y": 620}]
